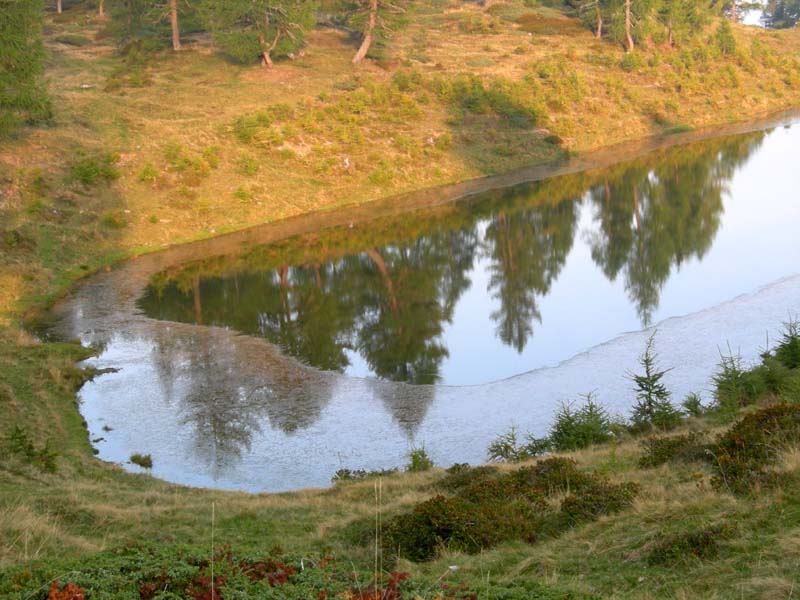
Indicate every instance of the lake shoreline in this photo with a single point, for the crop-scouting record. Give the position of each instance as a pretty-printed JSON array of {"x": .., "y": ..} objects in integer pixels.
[{"x": 424, "y": 198}]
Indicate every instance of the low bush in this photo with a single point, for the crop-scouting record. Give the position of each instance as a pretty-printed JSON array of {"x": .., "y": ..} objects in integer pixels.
[
  {"x": 90, "y": 170},
  {"x": 683, "y": 448},
  {"x": 418, "y": 460},
  {"x": 510, "y": 448},
  {"x": 19, "y": 444},
  {"x": 438, "y": 522},
  {"x": 672, "y": 550},
  {"x": 743, "y": 454},
  {"x": 580, "y": 428},
  {"x": 490, "y": 507},
  {"x": 143, "y": 460},
  {"x": 344, "y": 475},
  {"x": 596, "y": 500}
]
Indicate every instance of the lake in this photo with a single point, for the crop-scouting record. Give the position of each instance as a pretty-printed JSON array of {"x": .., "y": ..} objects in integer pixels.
[{"x": 267, "y": 360}]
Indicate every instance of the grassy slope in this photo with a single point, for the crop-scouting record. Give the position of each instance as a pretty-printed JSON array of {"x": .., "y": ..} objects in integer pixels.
[{"x": 62, "y": 228}]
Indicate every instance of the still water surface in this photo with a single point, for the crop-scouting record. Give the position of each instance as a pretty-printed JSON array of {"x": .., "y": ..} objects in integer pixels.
[{"x": 445, "y": 326}]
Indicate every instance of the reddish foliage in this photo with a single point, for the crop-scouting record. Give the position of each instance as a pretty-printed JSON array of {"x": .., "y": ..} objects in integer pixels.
[
  {"x": 373, "y": 592},
  {"x": 148, "y": 589},
  {"x": 274, "y": 571},
  {"x": 201, "y": 588},
  {"x": 70, "y": 592}
]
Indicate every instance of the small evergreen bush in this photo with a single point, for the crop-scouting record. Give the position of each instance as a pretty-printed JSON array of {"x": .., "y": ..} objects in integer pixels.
[
  {"x": 653, "y": 407},
  {"x": 579, "y": 428}
]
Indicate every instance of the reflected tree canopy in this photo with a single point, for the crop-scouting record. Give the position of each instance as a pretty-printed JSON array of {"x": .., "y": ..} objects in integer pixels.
[{"x": 386, "y": 292}]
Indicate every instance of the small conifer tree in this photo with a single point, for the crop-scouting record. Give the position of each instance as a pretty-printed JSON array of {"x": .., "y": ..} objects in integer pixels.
[{"x": 653, "y": 406}]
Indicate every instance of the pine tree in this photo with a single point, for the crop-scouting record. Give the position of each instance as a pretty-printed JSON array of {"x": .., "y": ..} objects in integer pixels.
[
  {"x": 375, "y": 19},
  {"x": 23, "y": 96},
  {"x": 247, "y": 30},
  {"x": 653, "y": 407}
]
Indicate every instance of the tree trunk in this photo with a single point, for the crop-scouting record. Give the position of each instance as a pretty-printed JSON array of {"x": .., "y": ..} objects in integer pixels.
[
  {"x": 58, "y": 6},
  {"x": 198, "y": 303},
  {"x": 367, "y": 42},
  {"x": 734, "y": 16},
  {"x": 387, "y": 278},
  {"x": 173, "y": 20},
  {"x": 101, "y": 9},
  {"x": 628, "y": 25},
  {"x": 266, "y": 60},
  {"x": 599, "y": 33}
]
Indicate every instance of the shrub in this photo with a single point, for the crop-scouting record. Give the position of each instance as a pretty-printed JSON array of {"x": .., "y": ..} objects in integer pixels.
[
  {"x": 19, "y": 443},
  {"x": 693, "y": 405},
  {"x": 461, "y": 475},
  {"x": 437, "y": 522},
  {"x": 148, "y": 174},
  {"x": 508, "y": 447},
  {"x": 553, "y": 476},
  {"x": 724, "y": 39},
  {"x": 788, "y": 350},
  {"x": 685, "y": 448},
  {"x": 735, "y": 386},
  {"x": 631, "y": 61},
  {"x": 418, "y": 460},
  {"x": 93, "y": 169},
  {"x": 574, "y": 429},
  {"x": 113, "y": 220},
  {"x": 596, "y": 500},
  {"x": 344, "y": 475},
  {"x": 653, "y": 407},
  {"x": 143, "y": 460},
  {"x": 672, "y": 550},
  {"x": 744, "y": 453}
]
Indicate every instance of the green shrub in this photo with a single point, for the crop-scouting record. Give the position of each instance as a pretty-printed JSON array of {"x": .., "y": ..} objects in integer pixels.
[
  {"x": 113, "y": 220},
  {"x": 148, "y": 174},
  {"x": 743, "y": 454},
  {"x": 19, "y": 444},
  {"x": 436, "y": 523},
  {"x": 553, "y": 476},
  {"x": 345, "y": 475},
  {"x": 724, "y": 39},
  {"x": 248, "y": 165},
  {"x": 631, "y": 61},
  {"x": 93, "y": 169},
  {"x": 143, "y": 460},
  {"x": 653, "y": 407},
  {"x": 735, "y": 386},
  {"x": 693, "y": 405},
  {"x": 672, "y": 550},
  {"x": 788, "y": 350},
  {"x": 509, "y": 448},
  {"x": 573, "y": 429},
  {"x": 681, "y": 448},
  {"x": 418, "y": 461},
  {"x": 461, "y": 476},
  {"x": 594, "y": 501}
]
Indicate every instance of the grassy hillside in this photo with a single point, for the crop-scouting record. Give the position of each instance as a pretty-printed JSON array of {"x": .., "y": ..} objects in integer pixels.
[{"x": 153, "y": 150}]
